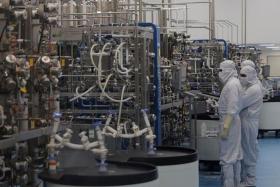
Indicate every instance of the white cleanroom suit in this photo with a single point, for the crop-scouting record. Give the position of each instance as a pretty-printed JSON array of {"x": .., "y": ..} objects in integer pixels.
[
  {"x": 252, "y": 101},
  {"x": 230, "y": 126}
]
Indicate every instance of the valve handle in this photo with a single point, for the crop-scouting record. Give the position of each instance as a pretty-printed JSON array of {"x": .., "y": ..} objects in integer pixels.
[
  {"x": 83, "y": 133},
  {"x": 57, "y": 115}
]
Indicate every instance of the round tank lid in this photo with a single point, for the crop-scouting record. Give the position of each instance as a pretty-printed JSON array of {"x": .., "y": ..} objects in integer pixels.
[
  {"x": 206, "y": 116},
  {"x": 275, "y": 99},
  {"x": 163, "y": 156},
  {"x": 11, "y": 59},
  {"x": 118, "y": 174},
  {"x": 46, "y": 59}
]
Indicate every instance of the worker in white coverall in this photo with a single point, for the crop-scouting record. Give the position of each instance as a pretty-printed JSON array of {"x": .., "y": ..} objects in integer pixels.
[
  {"x": 252, "y": 102},
  {"x": 230, "y": 128},
  {"x": 253, "y": 65},
  {"x": 248, "y": 63}
]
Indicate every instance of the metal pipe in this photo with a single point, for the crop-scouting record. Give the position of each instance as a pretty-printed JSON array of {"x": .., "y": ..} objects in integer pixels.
[
  {"x": 237, "y": 30},
  {"x": 208, "y": 96},
  {"x": 98, "y": 13},
  {"x": 218, "y": 30},
  {"x": 242, "y": 21},
  {"x": 191, "y": 27},
  {"x": 210, "y": 19},
  {"x": 100, "y": 16},
  {"x": 115, "y": 7},
  {"x": 218, "y": 40},
  {"x": 165, "y": 67},
  {"x": 195, "y": 121},
  {"x": 221, "y": 23},
  {"x": 187, "y": 18},
  {"x": 140, "y": 10},
  {"x": 78, "y": 76},
  {"x": 191, "y": 94},
  {"x": 93, "y": 105},
  {"x": 157, "y": 97},
  {"x": 162, "y": 18},
  {"x": 213, "y": 20},
  {"x": 87, "y": 20},
  {"x": 228, "y": 25},
  {"x": 222, "y": 30},
  {"x": 155, "y": 4},
  {"x": 170, "y": 12},
  {"x": 160, "y": 8},
  {"x": 135, "y": 7},
  {"x": 245, "y": 24}
]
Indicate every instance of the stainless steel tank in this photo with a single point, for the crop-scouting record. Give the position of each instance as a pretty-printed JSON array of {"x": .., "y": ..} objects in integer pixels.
[
  {"x": 86, "y": 8},
  {"x": 69, "y": 9},
  {"x": 269, "y": 120},
  {"x": 79, "y": 168},
  {"x": 207, "y": 139},
  {"x": 177, "y": 166}
]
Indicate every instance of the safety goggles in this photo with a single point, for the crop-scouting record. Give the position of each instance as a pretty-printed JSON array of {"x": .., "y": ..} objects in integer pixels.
[{"x": 225, "y": 69}]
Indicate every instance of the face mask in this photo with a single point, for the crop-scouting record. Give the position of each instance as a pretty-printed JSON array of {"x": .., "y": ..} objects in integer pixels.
[
  {"x": 243, "y": 81},
  {"x": 223, "y": 76}
]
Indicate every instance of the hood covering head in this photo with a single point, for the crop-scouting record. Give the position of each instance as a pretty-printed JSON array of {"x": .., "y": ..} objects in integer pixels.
[
  {"x": 248, "y": 63},
  {"x": 227, "y": 70},
  {"x": 248, "y": 76}
]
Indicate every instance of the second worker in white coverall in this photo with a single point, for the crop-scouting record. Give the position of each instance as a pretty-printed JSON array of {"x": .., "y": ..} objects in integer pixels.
[
  {"x": 251, "y": 102},
  {"x": 230, "y": 126},
  {"x": 253, "y": 65}
]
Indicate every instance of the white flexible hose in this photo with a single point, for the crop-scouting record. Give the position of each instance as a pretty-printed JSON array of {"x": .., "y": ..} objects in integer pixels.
[
  {"x": 146, "y": 119},
  {"x": 125, "y": 72},
  {"x": 143, "y": 131},
  {"x": 106, "y": 83},
  {"x": 124, "y": 127},
  {"x": 77, "y": 93},
  {"x": 150, "y": 135},
  {"x": 67, "y": 144},
  {"x": 91, "y": 56},
  {"x": 119, "y": 59},
  {"x": 81, "y": 95},
  {"x": 54, "y": 131},
  {"x": 92, "y": 145},
  {"x": 108, "y": 121},
  {"x": 128, "y": 136},
  {"x": 121, "y": 104},
  {"x": 109, "y": 134},
  {"x": 3, "y": 173},
  {"x": 99, "y": 69},
  {"x": 101, "y": 152},
  {"x": 3, "y": 169},
  {"x": 102, "y": 149},
  {"x": 2, "y": 116},
  {"x": 111, "y": 130},
  {"x": 76, "y": 146},
  {"x": 118, "y": 54}
]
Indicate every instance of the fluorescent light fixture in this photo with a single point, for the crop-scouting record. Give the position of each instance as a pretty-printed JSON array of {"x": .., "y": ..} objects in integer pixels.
[
  {"x": 273, "y": 47},
  {"x": 266, "y": 45},
  {"x": 276, "y": 49}
]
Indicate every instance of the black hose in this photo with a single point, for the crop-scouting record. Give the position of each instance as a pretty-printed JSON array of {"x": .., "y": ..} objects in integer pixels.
[
  {"x": 39, "y": 184},
  {"x": 41, "y": 37},
  {"x": 2, "y": 32}
]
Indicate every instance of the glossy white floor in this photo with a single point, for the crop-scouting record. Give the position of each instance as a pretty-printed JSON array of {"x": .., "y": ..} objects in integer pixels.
[{"x": 268, "y": 168}]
